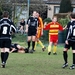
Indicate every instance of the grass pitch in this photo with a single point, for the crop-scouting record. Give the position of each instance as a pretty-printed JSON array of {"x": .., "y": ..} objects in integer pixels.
[{"x": 38, "y": 63}]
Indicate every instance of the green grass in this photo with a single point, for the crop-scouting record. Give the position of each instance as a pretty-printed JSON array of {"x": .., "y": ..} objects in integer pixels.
[{"x": 38, "y": 63}]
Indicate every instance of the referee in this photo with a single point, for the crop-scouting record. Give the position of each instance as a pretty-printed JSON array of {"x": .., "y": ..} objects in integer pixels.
[
  {"x": 31, "y": 29},
  {"x": 6, "y": 28}
]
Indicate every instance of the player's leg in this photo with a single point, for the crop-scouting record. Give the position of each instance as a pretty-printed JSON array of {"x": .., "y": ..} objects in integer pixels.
[
  {"x": 6, "y": 51},
  {"x": 33, "y": 42},
  {"x": 65, "y": 55},
  {"x": 7, "y": 47},
  {"x": 55, "y": 49},
  {"x": 39, "y": 41},
  {"x": 6, "y": 54},
  {"x": 35, "y": 45},
  {"x": 2, "y": 51},
  {"x": 21, "y": 29},
  {"x": 29, "y": 38},
  {"x": 41, "y": 44},
  {"x": 73, "y": 50},
  {"x": 2, "y": 54},
  {"x": 37, "y": 38},
  {"x": 55, "y": 41},
  {"x": 50, "y": 44},
  {"x": 49, "y": 48},
  {"x": 33, "y": 38},
  {"x": 73, "y": 65},
  {"x": 28, "y": 42}
]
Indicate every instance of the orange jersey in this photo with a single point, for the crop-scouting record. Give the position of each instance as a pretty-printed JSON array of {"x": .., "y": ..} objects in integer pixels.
[{"x": 53, "y": 28}]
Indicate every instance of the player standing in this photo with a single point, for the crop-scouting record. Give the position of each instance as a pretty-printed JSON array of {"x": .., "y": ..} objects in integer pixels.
[
  {"x": 53, "y": 28},
  {"x": 39, "y": 32},
  {"x": 70, "y": 41},
  {"x": 6, "y": 27}
]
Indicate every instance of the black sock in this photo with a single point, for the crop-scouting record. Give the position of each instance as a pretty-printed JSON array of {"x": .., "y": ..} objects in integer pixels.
[
  {"x": 65, "y": 56},
  {"x": 73, "y": 58},
  {"x": 28, "y": 44},
  {"x": 2, "y": 56},
  {"x": 33, "y": 45},
  {"x": 6, "y": 56}
]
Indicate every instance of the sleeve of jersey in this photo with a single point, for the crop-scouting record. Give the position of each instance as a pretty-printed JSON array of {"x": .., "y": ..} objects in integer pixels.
[
  {"x": 28, "y": 21},
  {"x": 41, "y": 23},
  {"x": 47, "y": 27},
  {"x": 13, "y": 28},
  {"x": 68, "y": 31}
]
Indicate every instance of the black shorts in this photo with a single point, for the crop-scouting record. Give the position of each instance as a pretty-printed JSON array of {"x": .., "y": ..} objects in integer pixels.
[
  {"x": 14, "y": 46},
  {"x": 32, "y": 32},
  {"x": 71, "y": 44},
  {"x": 5, "y": 43}
]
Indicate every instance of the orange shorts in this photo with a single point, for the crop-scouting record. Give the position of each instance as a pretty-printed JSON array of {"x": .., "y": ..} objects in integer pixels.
[
  {"x": 38, "y": 35},
  {"x": 53, "y": 38}
]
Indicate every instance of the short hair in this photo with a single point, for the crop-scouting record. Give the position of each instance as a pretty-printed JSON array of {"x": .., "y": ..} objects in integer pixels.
[
  {"x": 54, "y": 16},
  {"x": 72, "y": 15},
  {"x": 5, "y": 14}
]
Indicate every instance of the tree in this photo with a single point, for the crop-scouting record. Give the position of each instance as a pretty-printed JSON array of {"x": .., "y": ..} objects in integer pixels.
[
  {"x": 41, "y": 8},
  {"x": 65, "y": 6},
  {"x": 11, "y": 5}
]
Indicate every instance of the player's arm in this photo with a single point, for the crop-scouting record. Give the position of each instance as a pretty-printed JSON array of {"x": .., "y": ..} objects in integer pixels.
[
  {"x": 68, "y": 29},
  {"x": 46, "y": 26},
  {"x": 42, "y": 26},
  {"x": 65, "y": 27},
  {"x": 26, "y": 28},
  {"x": 28, "y": 23},
  {"x": 13, "y": 49},
  {"x": 13, "y": 28}
]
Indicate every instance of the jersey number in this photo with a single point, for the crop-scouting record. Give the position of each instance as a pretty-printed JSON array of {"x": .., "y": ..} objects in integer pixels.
[{"x": 4, "y": 30}]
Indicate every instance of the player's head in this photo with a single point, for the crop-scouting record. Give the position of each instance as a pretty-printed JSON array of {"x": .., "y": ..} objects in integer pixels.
[
  {"x": 5, "y": 14},
  {"x": 22, "y": 19},
  {"x": 34, "y": 14},
  {"x": 72, "y": 15},
  {"x": 54, "y": 19},
  {"x": 37, "y": 14}
]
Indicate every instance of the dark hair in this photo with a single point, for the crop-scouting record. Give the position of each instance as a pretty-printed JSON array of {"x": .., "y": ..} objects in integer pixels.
[
  {"x": 5, "y": 14},
  {"x": 72, "y": 15}
]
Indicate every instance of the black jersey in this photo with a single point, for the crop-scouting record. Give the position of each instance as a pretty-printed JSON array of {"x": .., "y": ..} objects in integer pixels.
[
  {"x": 6, "y": 27},
  {"x": 14, "y": 46},
  {"x": 22, "y": 23},
  {"x": 71, "y": 31},
  {"x": 32, "y": 23}
]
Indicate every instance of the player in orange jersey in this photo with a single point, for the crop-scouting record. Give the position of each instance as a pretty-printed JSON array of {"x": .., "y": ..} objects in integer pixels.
[
  {"x": 53, "y": 28},
  {"x": 40, "y": 32}
]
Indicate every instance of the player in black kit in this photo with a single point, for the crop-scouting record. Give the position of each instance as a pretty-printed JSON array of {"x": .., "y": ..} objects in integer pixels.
[
  {"x": 31, "y": 29},
  {"x": 6, "y": 28},
  {"x": 70, "y": 42}
]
